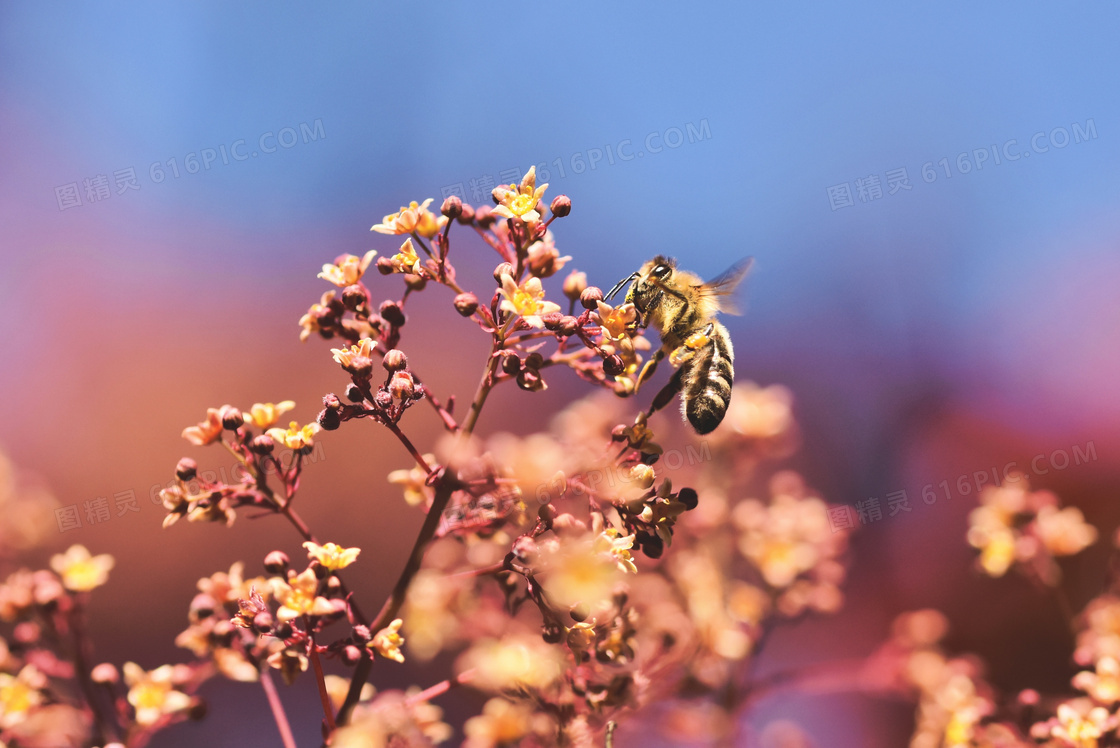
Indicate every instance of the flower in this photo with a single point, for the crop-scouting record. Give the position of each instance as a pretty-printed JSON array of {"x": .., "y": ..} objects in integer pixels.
[
  {"x": 19, "y": 694},
  {"x": 404, "y": 221},
  {"x": 346, "y": 356},
  {"x": 615, "y": 321},
  {"x": 310, "y": 322},
  {"x": 387, "y": 642},
  {"x": 338, "y": 687},
  {"x": 526, "y": 300},
  {"x": 81, "y": 572},
  {"x": 520, "y": 201},
  {"x": 414, "y": 482},
  {"x": 1064, "y": 532},
  {"x": 295, "y": 436},
  {"x": 332, "y": 556},
  {"x": 501, "y": 723},
  {"x": 297, "y": 597},
  {"x": 265, "y": 415},
  {"x": 406, "y": 260},
  {"x": 517, "y": 661},
  {"x": 1104, "y": 684},
  {"x": 347, "y": 269},
  {"x": 543, "y": 259},
  {"x": 1080, "y": 728},
  {"x": 153, "y": 693},
  {"x": 206, "y": 432}
]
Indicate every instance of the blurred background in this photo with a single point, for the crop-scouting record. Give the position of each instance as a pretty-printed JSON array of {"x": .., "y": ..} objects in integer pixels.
[{"x": 930, "y": 195}]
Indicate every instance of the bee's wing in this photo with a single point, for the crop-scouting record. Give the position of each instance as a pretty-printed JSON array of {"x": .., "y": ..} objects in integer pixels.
[{"x": 718, "y": 289}]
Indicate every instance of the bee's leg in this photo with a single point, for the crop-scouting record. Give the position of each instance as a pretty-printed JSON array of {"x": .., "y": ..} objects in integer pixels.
[
  {"x": 665, "y": 396},
  {"x": 649, "y": 367}
]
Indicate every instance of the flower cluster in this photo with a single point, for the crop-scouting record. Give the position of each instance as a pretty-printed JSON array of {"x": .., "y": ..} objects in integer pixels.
[{"x": 1016, "y": 526}]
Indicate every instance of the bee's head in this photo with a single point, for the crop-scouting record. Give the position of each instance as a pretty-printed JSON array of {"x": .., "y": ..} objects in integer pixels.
[{"x": 660, "y": 269}]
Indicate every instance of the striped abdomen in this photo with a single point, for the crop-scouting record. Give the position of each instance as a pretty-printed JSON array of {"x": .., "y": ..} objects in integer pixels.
[{"x": 706, "y": 382}]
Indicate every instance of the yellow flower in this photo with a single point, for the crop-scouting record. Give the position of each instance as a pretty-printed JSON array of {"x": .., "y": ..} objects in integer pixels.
[
  {"x": 345, "y": 356},
  {"x": 526, "y": 300},
  {"x": 501, "y": 723},
  {"x": 517, "y": 661},
  {"x": 387, "y": 642},
  {"x": 1079, "y": 729},
  {"x": 414, "y": 482},
  {"x": 331, "y": 555},
  {"x": 404, "y": 221},
  {"x": 81, "y": 572},
  {"x": 520, "y": 201},
  {"x": 616, "y": 321},
  {"x": 153, "y": 693},
  {"x": 295, "y": 436},
  {"x": 338, "y": 687},
  {"x": 297, "y": 597},
  {"x": 265, "y": 415},
  {"x": 19, "y": 694},
  {"x": 1104, "y": 684},
  {"x": 617, "y": 546},
  {"x": 310, "y": 321},
  {"x": 206, "y": 432},
  {"x": 406, "y": 260},
  {"x": 348, "y": 269}
]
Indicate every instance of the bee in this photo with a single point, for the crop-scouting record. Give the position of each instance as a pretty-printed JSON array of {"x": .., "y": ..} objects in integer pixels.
[{"x": 683, "y": 308}]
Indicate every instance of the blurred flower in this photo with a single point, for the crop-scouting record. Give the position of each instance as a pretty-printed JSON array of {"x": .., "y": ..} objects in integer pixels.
[
  {"x": 295, "y": 436},
  {"x": 575, "y": 570},
  {"x": 206, "y": 432},
  {"x": 387, "y": 642},
  {"x": 516, "y": 661},
  {"x": 414, "y": 482},
  {"x": 235, "y": 666},
  {"x": 544, "y": 260},
  {"x": 404, "y": 221},
  {"x": 1064, "y": 532},
  {"x": 501, "y": 723},
  {"x": 20, "y": 694},
  {"x": 153, "y": 693},
  {"x": 520, "y": 201},
  {"x": 81, "y": 572},
  {"x": 759, "y": 412},
  {"x": 331, "y": 555},
  {"x": 1099, "y": 636},
  {"x": 395, "y": 719},
  {"x": 338, "y": 687},
  {"x": 347, "y": 269},
  {"x": 265, "y": 415},
  {"x": 526, "y": 300},
  {"x": 1104, "y": 684},
  {"x": 231, "y": 586},
  {"x": 298, "y": 597}
]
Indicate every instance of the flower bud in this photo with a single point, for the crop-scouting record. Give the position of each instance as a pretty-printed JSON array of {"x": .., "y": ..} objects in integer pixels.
[
  {"x": 351, "y": 654},
  {"x": 383, "y": 399},
  {"x": 504, "y": 268},
  {"x": 401, "y": 385},
  {"x": 231, "y": 417},
  {"x": 452, "y": 207},
  {"x": 590, "y": 297},
  {"x": 531, "y": 381},
  {"x": 579, "y": 612},
  {"x": 394, "y": 360},
  {"x": 187, "y": 469},
  {"x": 569, "y": 325},
  {"x": 262, "y": 444},
  {"x": 466, "y": 304},
  {"x": 574, "y": 284},
  {"x": 354, "y": 297},
  {"x": 688, "y": 497},
  {"x": 354, "y": 393},
  {"x": 202, "y": 606},
  {"x": 263, "y": 622},
  {"x": 385, "y": 265},
  {"x": 618, "y": 433},
  {"x": 534, "y": 361},
  {"x": 276, "y": 562},
  {"x": 561, "y": 206},
  {"x": 484, "y": 217},
  {"x": 552, "y": 634},
  {"x": 651, "y": 545},
  {"x": 643, "y": 475},
  {"x": 467, "y": 216},
  {"x": 612, "y": 365},
  {"x": 329, "y": 419},
  {"x": 552, "y": 320},
  {"x": 415, "y": 282},
  {"x": 360, "y": 366},
  {"x": 511, "y": 362},
  {"x": 104, "y": 673},
  {"x": 392, "y": 313}
]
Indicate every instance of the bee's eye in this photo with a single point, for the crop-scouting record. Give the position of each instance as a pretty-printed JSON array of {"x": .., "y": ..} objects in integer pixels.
[{"x": 660, "y": 271}]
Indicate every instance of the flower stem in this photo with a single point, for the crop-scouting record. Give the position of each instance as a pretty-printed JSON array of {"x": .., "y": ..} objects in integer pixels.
[
  {"x": 277, "y": 709},
  {"x": 328, "y": 710}
]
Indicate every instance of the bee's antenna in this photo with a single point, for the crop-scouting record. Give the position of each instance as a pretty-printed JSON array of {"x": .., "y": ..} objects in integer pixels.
[{"x": 618, "y": 286}]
